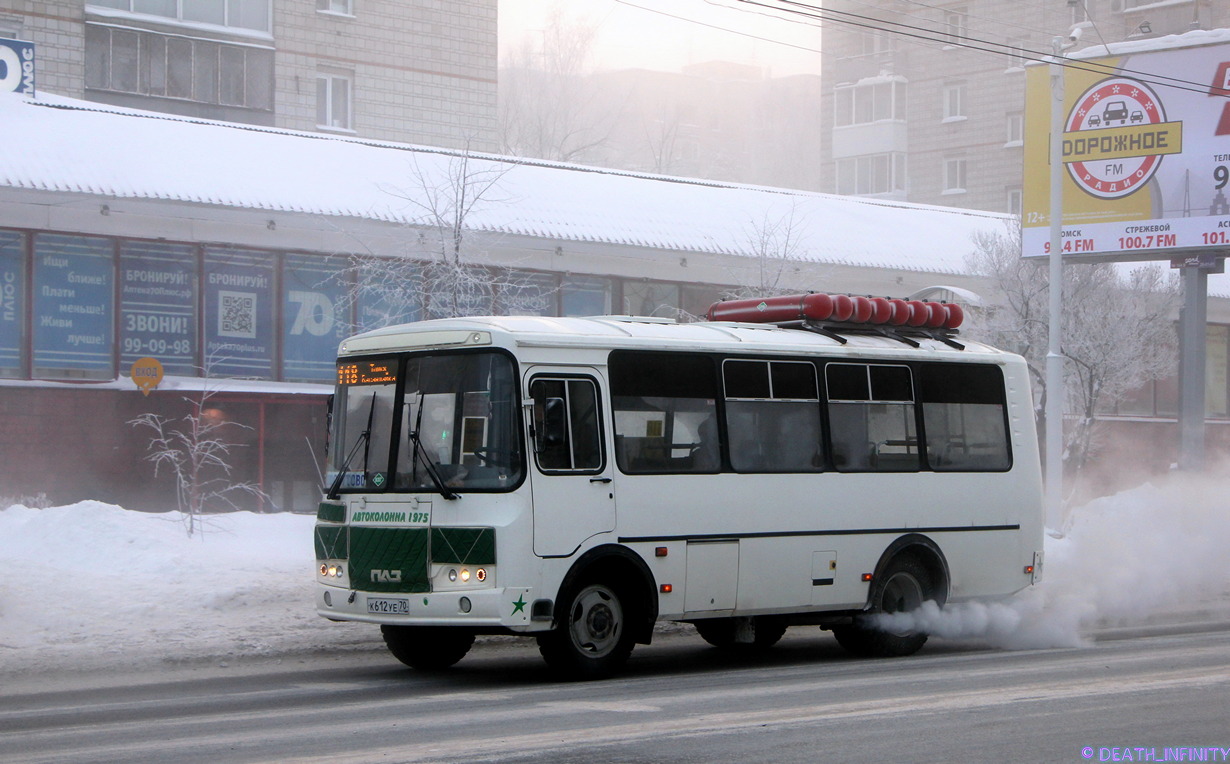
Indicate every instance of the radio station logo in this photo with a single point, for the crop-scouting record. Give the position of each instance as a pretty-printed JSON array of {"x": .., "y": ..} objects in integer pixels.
[{"x": 1116, "y": 136}]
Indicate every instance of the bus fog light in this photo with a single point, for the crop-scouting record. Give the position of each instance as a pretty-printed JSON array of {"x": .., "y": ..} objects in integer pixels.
[
  {"x": 464, "y": 604},
  {"x": 481, "y": 574},
  {"x": 328, "y": 600},
  {"x": 465, "y": 575},
  {"x": 452, "y": 575}
]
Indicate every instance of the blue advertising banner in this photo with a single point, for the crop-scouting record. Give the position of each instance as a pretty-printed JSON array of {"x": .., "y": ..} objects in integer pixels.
[
  {"x": 313, "y": 318},
  {"x": 158, "y": 306},
  {"x": 384, "y": 302},
  {"x": 74, "y": 307},
  {"x": 12, "y": 301},
  {"x": 16, "y": 66},
  {"x": 238, "y": 313}
]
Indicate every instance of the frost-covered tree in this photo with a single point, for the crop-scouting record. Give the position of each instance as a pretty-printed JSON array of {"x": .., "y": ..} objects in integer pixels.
[
  {"x": 444, "y": 269},
  {"x": 774, "y": 254},
  {"x": 1117, "y": 330},
  {"x": 200, "y": 450}
]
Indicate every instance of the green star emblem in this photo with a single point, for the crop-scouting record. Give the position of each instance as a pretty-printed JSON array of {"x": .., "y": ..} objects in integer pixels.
[{"x": 519, "y": 605}]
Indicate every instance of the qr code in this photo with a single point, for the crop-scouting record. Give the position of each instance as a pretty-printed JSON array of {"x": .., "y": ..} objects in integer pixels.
[{"x": 237, "y": 315}]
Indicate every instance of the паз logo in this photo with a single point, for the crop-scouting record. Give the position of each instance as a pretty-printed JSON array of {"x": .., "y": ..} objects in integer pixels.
[{"x": 1116, "y": 136}]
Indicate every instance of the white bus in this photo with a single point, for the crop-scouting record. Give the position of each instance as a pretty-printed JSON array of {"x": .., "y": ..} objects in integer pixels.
[{"x": 580, "y": 479}]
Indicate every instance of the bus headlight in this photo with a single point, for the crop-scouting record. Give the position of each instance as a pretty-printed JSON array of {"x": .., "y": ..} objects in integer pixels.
[{"x": 465, "y": 575}]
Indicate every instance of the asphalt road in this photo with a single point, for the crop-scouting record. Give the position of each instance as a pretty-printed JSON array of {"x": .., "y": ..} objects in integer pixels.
[{"x": 1133, "y": 693}]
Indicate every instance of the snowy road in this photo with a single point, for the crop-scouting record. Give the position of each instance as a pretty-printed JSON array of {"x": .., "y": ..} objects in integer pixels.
[{"x": 680, "y": 701}]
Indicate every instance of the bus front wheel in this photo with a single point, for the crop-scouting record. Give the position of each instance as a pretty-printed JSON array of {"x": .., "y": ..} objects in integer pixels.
[
  {"x": 591, "y": 638},
  {"x": 427, "y": 648},
  {"x": 903, "y": 586}
]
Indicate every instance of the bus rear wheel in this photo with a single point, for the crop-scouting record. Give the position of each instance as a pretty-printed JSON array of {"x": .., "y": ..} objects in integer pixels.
[
  {"x": 427, "y": 648},
  {"x": 591, "y": 638},
  {"x": 742, "y": 634},
  {"x": 903, "y": 586}
]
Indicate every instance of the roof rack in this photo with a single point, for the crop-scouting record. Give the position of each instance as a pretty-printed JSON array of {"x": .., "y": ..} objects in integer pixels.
[{"x": 838, "y": 315}]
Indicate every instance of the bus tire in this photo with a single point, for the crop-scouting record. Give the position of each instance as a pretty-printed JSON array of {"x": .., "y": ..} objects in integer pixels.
[
  {"x": 903, "y": 586},
  {"x": 592, "y": 638},
  {"x": 427, "y": 648},
  {"x": 723, "y": 633}
]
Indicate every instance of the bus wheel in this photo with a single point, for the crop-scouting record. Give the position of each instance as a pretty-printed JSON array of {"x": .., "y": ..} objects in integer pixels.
[
  {"x": 427, "y": 648},
  {"x": 903, "y": 586},
  {"x": 742, "y": 634},
  {"x": 591, "y": 639}
]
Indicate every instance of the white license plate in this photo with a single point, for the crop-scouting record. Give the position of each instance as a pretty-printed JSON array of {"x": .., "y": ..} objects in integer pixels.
[{"x": 388, "y": 605}]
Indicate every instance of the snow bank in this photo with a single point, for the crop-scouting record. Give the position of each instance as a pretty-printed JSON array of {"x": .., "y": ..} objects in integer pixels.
[{"x": 92, "y": 585}]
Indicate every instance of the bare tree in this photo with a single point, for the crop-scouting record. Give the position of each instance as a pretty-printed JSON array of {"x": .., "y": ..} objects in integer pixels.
[
  {"x": 1117, "y": 331},
  {"x": 445, "y": 269},
  {"x": 548, "y": 109},
  {"x": 198, "y": 450},
  {"x": 775, "y": 251}
]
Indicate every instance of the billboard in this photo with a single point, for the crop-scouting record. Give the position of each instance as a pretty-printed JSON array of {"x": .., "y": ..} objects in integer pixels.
[
  {"x": 1146, "y": 152},
  {"x": 16, "y": 66}
]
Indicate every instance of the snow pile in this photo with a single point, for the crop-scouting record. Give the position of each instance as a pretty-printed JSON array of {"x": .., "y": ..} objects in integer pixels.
[
  {"x": 92, "y": 585},
  {"x": 1156, "y": 553}
]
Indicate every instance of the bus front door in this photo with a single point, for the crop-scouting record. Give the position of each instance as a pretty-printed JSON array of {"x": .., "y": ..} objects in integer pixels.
[{"x": 573, "y": 492}]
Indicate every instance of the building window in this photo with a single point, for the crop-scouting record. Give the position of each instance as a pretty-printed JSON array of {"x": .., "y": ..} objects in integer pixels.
[
  {"x": 954, "y": 101},
  {"x": 1016, "y": 128},
  {"x": 871, "y": 174},
  {"x": 1014, "y": 201},
  {"x": 869, "y": 102},
  {"x": 954, "y": 175},
  {"x": 242, "y": 14},
  {"x": 333, "y": 101},
  {"x": 956, "y": 25},
  {"x": 343, "y": 7},
  {"x": 1018, "y": 53},
  {"x": 144, "y": 63}
]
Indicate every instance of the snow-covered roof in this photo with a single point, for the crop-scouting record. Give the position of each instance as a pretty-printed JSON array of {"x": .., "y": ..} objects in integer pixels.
[{"x": 69, "y": 146}]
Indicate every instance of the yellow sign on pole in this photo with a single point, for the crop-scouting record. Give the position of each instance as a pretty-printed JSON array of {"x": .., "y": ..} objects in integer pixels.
[{"x": 146, "y": 373}]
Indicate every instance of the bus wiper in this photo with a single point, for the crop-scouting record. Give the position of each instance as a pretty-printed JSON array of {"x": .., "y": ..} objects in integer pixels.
[
  {"x": 421, "y": 454},
  {"x": 364, "y": 439}
]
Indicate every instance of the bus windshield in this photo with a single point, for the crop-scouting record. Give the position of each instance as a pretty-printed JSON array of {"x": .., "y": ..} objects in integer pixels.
[
  {"x": 459, "y": 424},
  {"x": 454, "y": 428}
]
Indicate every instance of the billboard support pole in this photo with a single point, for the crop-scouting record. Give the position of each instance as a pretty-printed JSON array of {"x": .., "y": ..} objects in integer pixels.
[
  {"x": 1192, "y": 321},
  {"x": 1053, "y": 413}
]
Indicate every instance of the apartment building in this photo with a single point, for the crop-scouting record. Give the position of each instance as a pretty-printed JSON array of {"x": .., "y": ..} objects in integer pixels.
[{"x": 416, "y": 71}]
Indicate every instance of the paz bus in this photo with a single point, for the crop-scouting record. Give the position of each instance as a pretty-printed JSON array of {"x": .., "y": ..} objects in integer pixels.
[{"x": 806, "y": 460}]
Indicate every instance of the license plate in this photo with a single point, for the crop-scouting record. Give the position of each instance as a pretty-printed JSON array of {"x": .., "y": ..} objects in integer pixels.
[{"x": 388, "y": 605}]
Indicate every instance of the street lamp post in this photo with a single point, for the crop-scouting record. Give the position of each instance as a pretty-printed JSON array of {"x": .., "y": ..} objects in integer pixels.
[{"x": 1054, "y": 353}]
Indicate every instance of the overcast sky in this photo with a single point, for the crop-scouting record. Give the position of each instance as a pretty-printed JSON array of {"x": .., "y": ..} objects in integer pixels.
[{"x": 669, "y": 34}]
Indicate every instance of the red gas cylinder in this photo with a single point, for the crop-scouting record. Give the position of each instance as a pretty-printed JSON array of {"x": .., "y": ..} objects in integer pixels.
[
  {"x": 862, "y": 309},
  {"x": 955, "y": 315},
  {"x": 843, "y": 307},
  {"x": 881, "y": 310},
  {"x": 918, "y": 313}
]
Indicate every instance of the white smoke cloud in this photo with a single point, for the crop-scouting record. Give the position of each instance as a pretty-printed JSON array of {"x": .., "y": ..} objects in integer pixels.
[{"x": 1159, "y": 553}]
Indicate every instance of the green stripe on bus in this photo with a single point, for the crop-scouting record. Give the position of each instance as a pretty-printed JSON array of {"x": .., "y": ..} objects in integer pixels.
[
  {"x": 331, "y": 542},
  {"x": 463, "y": 546},
  {"x": 389, "y": 559},
  {"x": 330, "y": 512}
]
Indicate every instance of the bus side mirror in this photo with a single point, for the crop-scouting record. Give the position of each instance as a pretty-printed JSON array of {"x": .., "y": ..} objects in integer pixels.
[{"x": 552, "y": 432}]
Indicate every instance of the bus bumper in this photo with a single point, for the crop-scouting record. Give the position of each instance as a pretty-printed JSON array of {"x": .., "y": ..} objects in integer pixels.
[{"x": 509, "y": 608}]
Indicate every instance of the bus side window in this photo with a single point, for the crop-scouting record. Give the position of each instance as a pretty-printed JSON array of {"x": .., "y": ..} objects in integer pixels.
[
  {"x": 871, "y": 417},
  {"x": 773, "y": 416},
  {"x": 665, "y": 412},
  {"x": 965, "y": 418},
  {"x": 567, "y": 433}
]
